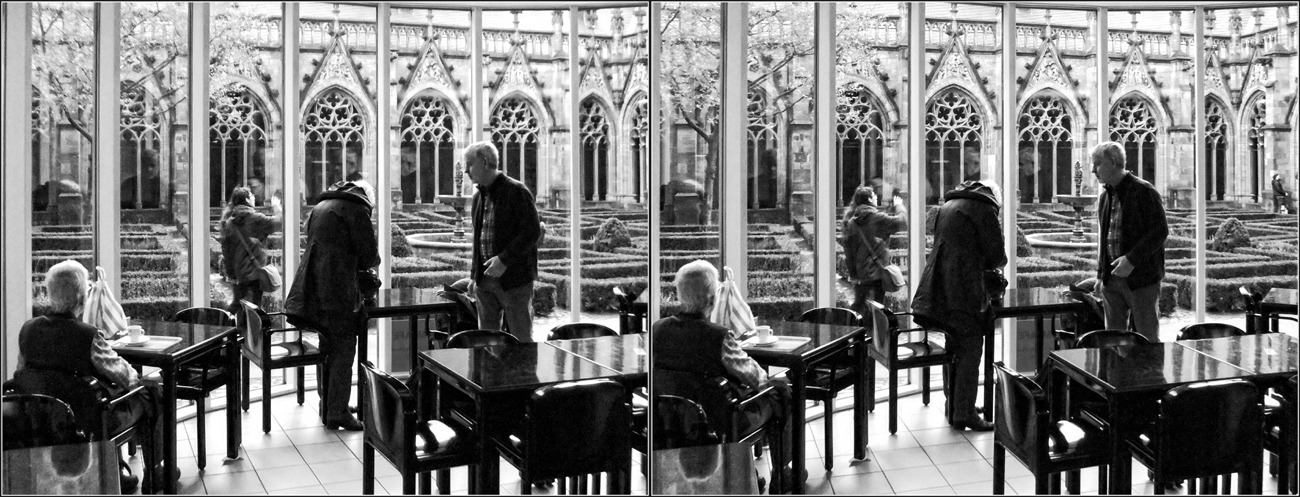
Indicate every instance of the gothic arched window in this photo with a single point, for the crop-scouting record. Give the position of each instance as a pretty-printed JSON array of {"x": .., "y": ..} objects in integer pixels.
[
  {"x": 334, "y": 131},
  {"x": 640, "y": 145},
  {"x": 514, "y": 132},
  {"x": 1045, "y": 145},
  {"x": 761, "y": 134},
  {"x": 237, "y": 144},
  {"x": 859, "y": 141},
  {"x": 1255, "y": 144},
  {"x": 1134, "y": 125},
  {"x": 595, "y": 150},
  {"x": 1216, "y": 147},
  {"x": 140, "y": 130},
  {"x": 953, "y": 141},
  {"x": 428, "y": 151}
]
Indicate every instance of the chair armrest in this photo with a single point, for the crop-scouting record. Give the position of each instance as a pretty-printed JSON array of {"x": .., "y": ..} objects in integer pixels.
[{"x": 742, "y": 403}]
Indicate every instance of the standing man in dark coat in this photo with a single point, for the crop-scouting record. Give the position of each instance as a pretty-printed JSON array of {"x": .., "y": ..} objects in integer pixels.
[
  {"x": 340, "y": 243},
  {"x": 1131, "y": 252},
  {"x": 506, "y": 232},
  {"x": 952, "y": 295}
]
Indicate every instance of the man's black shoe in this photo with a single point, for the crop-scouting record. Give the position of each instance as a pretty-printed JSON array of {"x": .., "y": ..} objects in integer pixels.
[
  {"x": 349, "y": 423},
  {"x": 973, "y": 424}
]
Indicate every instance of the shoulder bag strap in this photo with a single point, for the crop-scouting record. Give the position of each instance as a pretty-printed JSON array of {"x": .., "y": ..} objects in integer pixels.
[{"x": 243, "y": 239}]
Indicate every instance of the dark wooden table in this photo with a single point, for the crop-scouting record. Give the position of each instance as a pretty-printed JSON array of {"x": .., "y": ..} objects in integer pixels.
[
  {"x": 1271, "y": 357},
  {"x": 195, "y": 341},
  {"x": 726, "y": 469},
  {"x": 489, "y": 375},
  {"x": 402, "y": 302},
  {"x": 1279, "y": 301},
  {"x": 625, "y": 354},
  {"x": 1037, "y": 303},
  {"x": 823, "y": 341},
  {"x": 1131, "y": 375}
]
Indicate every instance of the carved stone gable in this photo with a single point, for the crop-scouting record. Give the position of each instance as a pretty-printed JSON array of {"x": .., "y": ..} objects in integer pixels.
[
  {"x": 1049, "y": 70},
  {"x": 954, "y": 67},
  {"x": 337, "y": 67},
  {"x": 516, "y": 72},
  {"x": 1134, "y": 74},
  {"x": 431, "y": 70}
]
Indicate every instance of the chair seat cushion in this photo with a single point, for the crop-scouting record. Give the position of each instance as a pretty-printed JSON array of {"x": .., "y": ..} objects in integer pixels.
[
  {"x": 919, "y": 349},
  {"x": 436, "y": 438},
  {"x": 1069, "y": 439},
  {"x": 292, "y": 349}
]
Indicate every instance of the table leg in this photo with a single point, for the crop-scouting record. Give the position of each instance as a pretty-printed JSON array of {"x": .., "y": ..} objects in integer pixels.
[
  {"x": 861, "y": 389},
  {"x": 234, "y": 432},
  {"x": 1121, "y": 479},
  {"x": 1038, "y": 341},
  {"x": 488, "y": 465},
  {"x": 414, "y": 333},
  {"x": 799, "y": 415},
  {"x": 988, "y": 376},
  {"x": 169, "y": 425},
  {"x": 363, "y": 342}
]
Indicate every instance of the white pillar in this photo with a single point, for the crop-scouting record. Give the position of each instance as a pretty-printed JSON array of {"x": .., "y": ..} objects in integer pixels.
[
  {"x": 576, "y": 179},
  {"x": 292, "y": 142},
  {"x": 1010, "y": 152},
  {"x": 1198, "y": 151},
  {"x": 916, "y": 143},
  {"x": 734, "y": 228},
  {"x": 383, "y": 201},
  {"x": 107, "y": 224},
  {"x": 655, "y": 130},
  {"x": 200, "y": 39},
  {"x": 17, "y": 219},
  {"x": 824, "y": 172},
  {"x": 477, "y": 97}
]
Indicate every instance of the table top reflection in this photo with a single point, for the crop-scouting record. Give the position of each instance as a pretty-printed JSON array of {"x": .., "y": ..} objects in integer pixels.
[
  {"x": 500, "y": 368},
  {"x": 1267, "y": 354},
  {"x": 405, "y": 301},
  {"x": 1031, "y": 301},
  {"x": 193, "y": 339},
  {"x": 1136, "y": 368},
  {"x": 625, "y": 354},
  {"x": 823, "y": 338},
  {"x": 726, "y": 469}
]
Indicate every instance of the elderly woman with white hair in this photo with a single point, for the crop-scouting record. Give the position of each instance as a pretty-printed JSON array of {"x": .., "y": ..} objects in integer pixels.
[
  {"x": 689, "y": 342},
  {"x": 59, "y": 341}
]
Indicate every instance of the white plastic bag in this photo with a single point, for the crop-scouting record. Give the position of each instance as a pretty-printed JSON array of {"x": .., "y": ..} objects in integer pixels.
[
  {"x": 730, "y": 309},
  {"x": 102, "y": 309}
]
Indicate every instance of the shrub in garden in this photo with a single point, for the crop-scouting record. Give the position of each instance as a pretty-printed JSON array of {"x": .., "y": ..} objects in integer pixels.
[
  {"x": 1022, "y": 244},
  {"x": 611, "y": 235},
  {"x": 1230, "y": 235},
  {"x": 401, "y": 247}
]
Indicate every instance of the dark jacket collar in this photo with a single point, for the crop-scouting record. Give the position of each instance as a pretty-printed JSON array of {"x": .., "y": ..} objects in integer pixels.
[
  {"x": 350, "y": 192},
  {"x": 974, "y": 190},
  {"x": 495, "y": 187},
  {"x": 1123, "y": 185},
  {"x": 691, "y": 315}
]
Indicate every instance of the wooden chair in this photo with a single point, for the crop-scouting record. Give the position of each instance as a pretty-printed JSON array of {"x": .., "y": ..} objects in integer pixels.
[
  {"x": 480, "y": 338},
  {"x": 1023, "y": 426},
  {"x": 680, "y": 422},
  {"x": 631, "y": 317},
  {"x": 257, "y": 330},
  {"x": 571, "y": 331},
  {"x": 571, "y": 430},
  {"x": 1279, "y": 437},
  {"x": 204, "y": 374},
  {"x": 895, "y": 355},
  {"x": 1201, "y": 331},
  {"x": 1257, "y": 322},
  {"x": 413, "y": 446},
  {"x": 835, "y": 374},
  {"x": 1110, "y": 338}
]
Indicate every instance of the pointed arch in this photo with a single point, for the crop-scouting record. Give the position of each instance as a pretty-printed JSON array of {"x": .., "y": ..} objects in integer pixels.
[
  {"x": 1217, "y": 146},
  {"x": 238, "y": 121},
  {"x": 427, "y": 141},
  {"x": 140, "y": 131},
  {"x": 516, "y": 130},
  {"x": 859, "y": 139},
  {"x": 1046, "y": 131},
  {"x": 595, "y": 139},
  {"x": 761, "y": 143},
  {"x": 1134, "y": 123},
  {"x": 1249, "y": 175},
  {"x": 335, "y": 135},
  {"x": 954, "y": 140},
  {"x": 956, "y": 69},
  {"x": 636, "y": 159}
]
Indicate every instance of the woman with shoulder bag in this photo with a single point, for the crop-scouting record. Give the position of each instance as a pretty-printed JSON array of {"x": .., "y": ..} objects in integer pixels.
[
  {"x": 866, "y": 246},
  {"x": 244, "y": 233}
]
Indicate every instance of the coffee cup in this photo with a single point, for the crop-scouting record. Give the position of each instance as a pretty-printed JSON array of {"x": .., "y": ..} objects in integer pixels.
[
  {"x": 135, "y": 332},
  {"x": 764, "y": 334}
]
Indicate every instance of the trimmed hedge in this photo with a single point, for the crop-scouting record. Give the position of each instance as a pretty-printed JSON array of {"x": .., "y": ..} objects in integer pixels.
[
  {"x": 418, "y": 264},
  {"x": 1223, "y": 295}
]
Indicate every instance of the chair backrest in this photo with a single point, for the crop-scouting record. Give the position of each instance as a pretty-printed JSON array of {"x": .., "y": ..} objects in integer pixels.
[
  {"x": 251, "y": 322},
  {"x": 1110, "y": 338},
  {"x": 78, "y": 393},
  {"x": 36, "y": 420},
  {"x": 1209, "y": 428},
  {"x": 832, "y": 315},
  {"x": 1201, "y": 331},
  {"x": 881, "y": 331},
  {"x": 576, "y": 428},
  {"x": 466, "y": 317},
  {"x": 390, "y": 413},
  {"x": 1022, "y": 412},
  {"x": 205, "y": 315},
  {"x": 480, "y": 338},
  {"x": 714, "y": 394},
  {"x": 630, "y": 319},
  {"x": 680, "y": 422},
  {"x": 571, "y": 331}
]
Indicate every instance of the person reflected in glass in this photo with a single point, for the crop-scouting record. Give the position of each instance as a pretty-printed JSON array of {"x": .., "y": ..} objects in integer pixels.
[
  {"x": 61, "y": 341},
  {"x": 689, "y": 342},
  {"x": 150, "y": 192},
  {"x": 866, "y": 245},
  {"x": 953, "y": 294},
  {"x": 258, "y": 187},
  {"x": 326, "y": 290},
  {"x": 245, "y": 233},
  {"x": 1131, "y": 252},
  {"x": 506, "y": 234}
]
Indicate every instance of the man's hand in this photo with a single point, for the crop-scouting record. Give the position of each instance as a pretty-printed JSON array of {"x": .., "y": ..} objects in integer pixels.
[
  {"x": 494, "y": 267},
  {"x": 1121, "y": 267}
]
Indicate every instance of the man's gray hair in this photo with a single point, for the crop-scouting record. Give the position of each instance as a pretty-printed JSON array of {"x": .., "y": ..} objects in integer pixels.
[
  {"x": 67, "y": 283},
  {"x": 1111, "y": 152},
  {"x": 697, "y": 283},
  {"x": 484, "y": 151}
]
